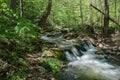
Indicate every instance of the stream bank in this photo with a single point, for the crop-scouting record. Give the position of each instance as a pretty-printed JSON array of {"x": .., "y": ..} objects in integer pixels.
[{"x": 109, "y": 46}]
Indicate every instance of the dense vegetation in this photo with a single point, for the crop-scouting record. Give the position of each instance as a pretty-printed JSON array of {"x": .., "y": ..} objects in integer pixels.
[{"x": 23, "y": 21}]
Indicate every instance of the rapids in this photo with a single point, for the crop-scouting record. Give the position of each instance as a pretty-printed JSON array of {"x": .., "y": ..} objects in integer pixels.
[{"x": 83, "y": 63}]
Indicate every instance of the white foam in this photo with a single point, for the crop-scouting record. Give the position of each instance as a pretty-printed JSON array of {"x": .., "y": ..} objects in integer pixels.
[{"x": 88, "y": 65}]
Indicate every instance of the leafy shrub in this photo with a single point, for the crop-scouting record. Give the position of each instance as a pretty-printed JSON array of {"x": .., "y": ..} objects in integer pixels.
[
  {"x": 51, "y": 64},
  {"x": 20, "y": 35}
]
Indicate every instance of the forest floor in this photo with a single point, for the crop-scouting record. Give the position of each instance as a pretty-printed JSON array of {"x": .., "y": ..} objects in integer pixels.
[
  {"x": 35, "y": 69},
  {"x": 109, "y": 46}
]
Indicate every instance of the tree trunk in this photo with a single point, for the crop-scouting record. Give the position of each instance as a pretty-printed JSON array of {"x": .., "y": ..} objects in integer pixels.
[
  {"x": 106, "y": 18},
  {"x": 116, "y": 10},
  {"x": 101, "y": 17},
  {"x": 46, "y": 14},
  {"x": 91, "y": 13},
  {"x": 21, "y": 8},
  {"x": 97, "y": 14},
  {"x": 13, "y": 5},
  {"x": 81, "y": 13}
]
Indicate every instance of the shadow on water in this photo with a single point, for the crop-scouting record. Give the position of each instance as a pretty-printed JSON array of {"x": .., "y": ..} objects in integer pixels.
[{"x": 83, "y": 63}]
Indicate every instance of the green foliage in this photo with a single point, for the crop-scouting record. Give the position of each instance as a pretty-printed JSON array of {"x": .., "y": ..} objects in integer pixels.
[
  {"x": 15, "y": 32},
  {"x": 67, "y": 12},
  {"x": 33, "y": 9},
  {"x": 17, "y": 36},
  {"x": 59, "y": 53},
  {"x": 17, "y": 75},
  {"x": 51, "y": 64},
  {"x": 6, "y": 14},
  {"x": 24, "y": 31},
  {"x": 22, "y": 34}
]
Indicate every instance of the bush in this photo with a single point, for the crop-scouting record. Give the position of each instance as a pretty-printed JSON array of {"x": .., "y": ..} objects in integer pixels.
[
  {"x": 20, "y": 35},
  {"x": 51, "y": 64}
]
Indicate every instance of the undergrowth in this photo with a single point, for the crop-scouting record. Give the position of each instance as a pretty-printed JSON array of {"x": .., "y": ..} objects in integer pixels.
[
  {"x": 17, "y": 37},
  {"x": 51, "y": 64}
]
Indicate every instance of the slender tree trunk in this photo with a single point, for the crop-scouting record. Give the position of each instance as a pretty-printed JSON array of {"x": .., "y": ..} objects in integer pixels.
[
  {"x": 106, "y": 18},
  {"x": 119, "y": 12},
  {"x": 101, "y": 7},
  {"x": 115, "y": 2},
  {"x": 46, "y": 14},
  {"x": 81, "y": 13},
  {"x": 97, "y": 14},
  {"x": 13, "y": 5},
  {"x": 91, "y": 13},
  {"x": 21, "y": 8},
  {"x": 116, "y": 10}
]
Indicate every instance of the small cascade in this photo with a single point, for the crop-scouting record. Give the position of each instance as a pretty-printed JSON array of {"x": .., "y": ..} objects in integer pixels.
[
  {"x": 74, "y": 52},
  {"x": 83, "y": 63}
]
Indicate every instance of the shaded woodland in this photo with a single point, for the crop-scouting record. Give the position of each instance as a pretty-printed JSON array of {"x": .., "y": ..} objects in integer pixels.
[{"x": 25, "y": 56}]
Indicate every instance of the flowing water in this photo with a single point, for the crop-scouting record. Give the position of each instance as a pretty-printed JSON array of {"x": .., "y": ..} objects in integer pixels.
[{"x": 83, "y": 63}]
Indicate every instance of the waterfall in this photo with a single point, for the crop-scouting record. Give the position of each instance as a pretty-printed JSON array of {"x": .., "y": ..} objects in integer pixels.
[
  {"x": 83, "y": 63},
  {"x": 88, "y": 66}
]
